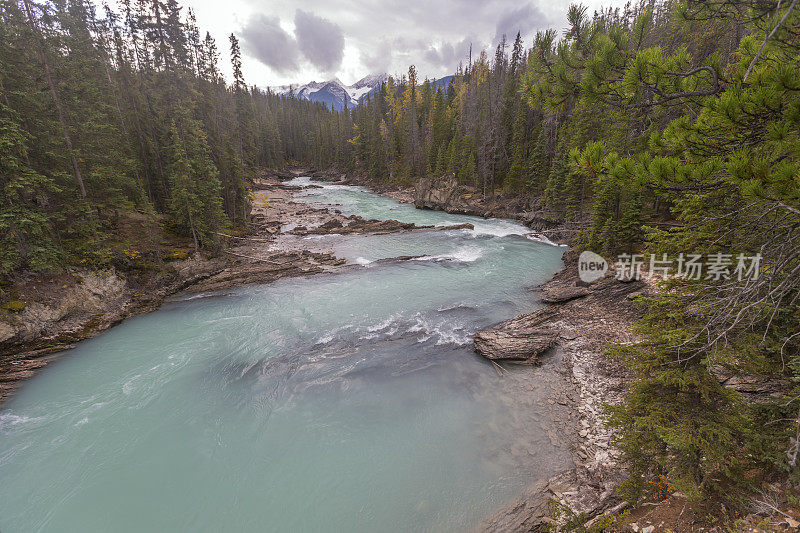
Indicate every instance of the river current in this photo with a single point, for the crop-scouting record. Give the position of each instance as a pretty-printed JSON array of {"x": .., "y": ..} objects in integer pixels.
[{"x": 345, "y": 401}]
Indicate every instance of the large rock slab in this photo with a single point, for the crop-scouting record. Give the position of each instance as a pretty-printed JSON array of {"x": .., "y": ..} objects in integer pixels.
[
  {"x": 436, "y": 194},
  {"x": 522, "y": 339},
  {"x": 445, "y": 193},
  {"x": 525, "y": 345},
  {"x": 560, "y": 293}
]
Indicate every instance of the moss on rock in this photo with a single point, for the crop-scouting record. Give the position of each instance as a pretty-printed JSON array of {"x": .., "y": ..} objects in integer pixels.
[
  {"x": 13, "y": 305},
  {"x": 178, "y": 255}
]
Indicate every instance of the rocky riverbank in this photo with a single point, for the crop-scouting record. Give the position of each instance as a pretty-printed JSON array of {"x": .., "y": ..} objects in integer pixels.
[
  {"x": 578, "y": 320},
  {"x": 50, "y": 313},
  {"x": 446, "y": 194},
  {"x": 572, "y": 330}
]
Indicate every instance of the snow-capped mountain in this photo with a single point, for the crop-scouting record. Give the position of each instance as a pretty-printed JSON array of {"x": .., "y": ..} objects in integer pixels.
[{"x": 333, "y": 93}]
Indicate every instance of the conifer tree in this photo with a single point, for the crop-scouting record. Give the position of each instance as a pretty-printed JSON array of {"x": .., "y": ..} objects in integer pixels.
[
  {"x": 195, "y": 200},
  {"x": 27, "y": 238}
]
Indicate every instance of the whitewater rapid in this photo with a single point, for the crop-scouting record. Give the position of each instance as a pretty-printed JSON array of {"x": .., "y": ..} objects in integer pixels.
[{"x": 345, "y": 401}]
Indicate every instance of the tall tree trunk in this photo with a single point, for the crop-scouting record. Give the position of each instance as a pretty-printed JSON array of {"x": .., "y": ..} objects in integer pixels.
[
  {"x": 191, "y": 225},
  {"x": 161, "y": 39},
  {"x": 56, "y": 100}
]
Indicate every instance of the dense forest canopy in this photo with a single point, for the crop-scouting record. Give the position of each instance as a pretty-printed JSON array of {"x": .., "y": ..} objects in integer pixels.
[
  {"x": 128, "y": 111},
  {"x": 662, "y": 127}
]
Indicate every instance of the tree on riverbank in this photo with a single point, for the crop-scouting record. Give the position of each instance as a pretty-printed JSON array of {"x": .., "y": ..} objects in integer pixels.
[
  {"x": 726, "y": 166},
  {"x": 88, "y": 103},
  {"x": 665, "y": 127}
]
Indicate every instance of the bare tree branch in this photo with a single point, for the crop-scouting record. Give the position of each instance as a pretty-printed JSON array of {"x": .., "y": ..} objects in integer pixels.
[{"x": 767, "y": 38}]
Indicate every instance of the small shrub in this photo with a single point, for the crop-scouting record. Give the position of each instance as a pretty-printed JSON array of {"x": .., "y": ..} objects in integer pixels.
[
  {"x": 178, "y": 255},
  {"x": 13, "y": 305}
]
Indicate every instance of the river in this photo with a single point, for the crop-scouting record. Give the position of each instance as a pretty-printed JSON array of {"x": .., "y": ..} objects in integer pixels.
[{"x": 345, "y": 401}]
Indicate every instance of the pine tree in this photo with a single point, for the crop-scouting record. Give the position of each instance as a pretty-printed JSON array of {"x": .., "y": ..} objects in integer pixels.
[
  {"x": 27, "y": 238},
  {"x": 195, "y": 201},
  {"x": 236, "y": 61}
]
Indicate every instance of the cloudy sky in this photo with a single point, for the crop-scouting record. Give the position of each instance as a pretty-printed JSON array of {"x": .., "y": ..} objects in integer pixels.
[{"x": 287, "y": 41}]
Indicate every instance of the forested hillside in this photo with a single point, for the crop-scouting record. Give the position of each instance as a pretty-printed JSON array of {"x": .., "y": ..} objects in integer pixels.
[
  {"x": 666, "y": 128},
  {"x": 107, "y": 114}
]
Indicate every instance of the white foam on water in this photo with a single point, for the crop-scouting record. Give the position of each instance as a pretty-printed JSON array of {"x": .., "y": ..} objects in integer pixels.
[
  {"x": 129, "y": 386},
  {"x": 381, "y": 326},
  {"x": 8, "y": 420},
  {"x": 468, "y": 254},
  {"x": 538, "y": 237},
  {"x": 441, "y": 332},
  {"x": 320, "y": 237},
  {"x": 451, "y": 337},
  {"x": 330, "y": 335},
  {"x": 465, "y": 254},
  {"x": 499, "y": 228}
]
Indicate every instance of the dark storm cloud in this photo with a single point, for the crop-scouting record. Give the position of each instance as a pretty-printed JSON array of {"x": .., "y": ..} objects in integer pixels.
[
  {"x": 390, "y": 35},
  {"x": 265, "y": 40},
  {"x": 449, "y": 55},
  {"x": 526, "y": 20},
  {"x": 320, "y": 40}
]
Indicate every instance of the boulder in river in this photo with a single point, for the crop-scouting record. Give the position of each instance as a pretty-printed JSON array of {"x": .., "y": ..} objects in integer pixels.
[
  {"x": 445, "y": 193},
  {"x": 436, "y": 193},
  {"x": 522, "y": 339}
]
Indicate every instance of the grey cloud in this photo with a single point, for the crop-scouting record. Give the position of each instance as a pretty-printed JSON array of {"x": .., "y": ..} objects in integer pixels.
[
  {"x": 449, "y": 55},
  {"x": 320, "y": 40},
  {"x": 524, "y": 19},
  {"x": 380, "y": 60},
  {"x": 390, "y": 35},
  {"x": 265, "y": 40}
]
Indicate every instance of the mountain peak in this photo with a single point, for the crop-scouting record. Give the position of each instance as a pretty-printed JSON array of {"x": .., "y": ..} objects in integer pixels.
[
  {"x": 333, "y": 93},
  {"x": 371, "y": 80}
]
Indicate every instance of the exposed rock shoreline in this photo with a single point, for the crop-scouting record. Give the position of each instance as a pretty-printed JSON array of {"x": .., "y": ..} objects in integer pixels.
[
  {"x": 578, "y": 320},
  {"x": 61, "y": 309},
  {"x": 446, "y": 194}
]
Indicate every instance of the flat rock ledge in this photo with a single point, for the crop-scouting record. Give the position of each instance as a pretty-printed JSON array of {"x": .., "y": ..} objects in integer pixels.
[
  {"x": 522, "y": 339},
  {"x": 579, "y": 321},
  {"x": 564, "y": 292}
]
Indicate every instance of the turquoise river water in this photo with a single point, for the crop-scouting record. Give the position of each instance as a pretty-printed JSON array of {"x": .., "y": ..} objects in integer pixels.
[{"x": 345, "y": 401}]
